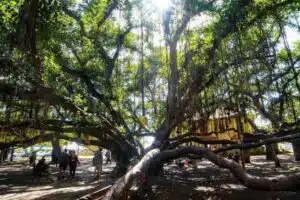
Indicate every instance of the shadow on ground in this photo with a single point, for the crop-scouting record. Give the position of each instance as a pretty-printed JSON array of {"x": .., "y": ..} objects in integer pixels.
[
  {"x": 212, "y": 183},
  {"x": 17, "y": 182}
]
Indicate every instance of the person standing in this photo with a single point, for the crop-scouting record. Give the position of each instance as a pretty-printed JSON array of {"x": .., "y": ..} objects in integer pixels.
[
  {"x": 73, "y": 161},
  {"x": 32, "y": 159},
  {"x": 236, "y": 156},
  {"x": 63, "y": 164},
  {"x": 108, "y": 157},
  {"x": 97, "y": 162}
]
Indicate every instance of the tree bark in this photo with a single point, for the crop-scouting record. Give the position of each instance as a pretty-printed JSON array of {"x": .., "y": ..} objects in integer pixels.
[
  {"x": 56, "y": 150},
  {"x": 247, "y": 156},
  {"x": 3, "y": 155},
  {"x": 278, "y": 183},
  {"x": 296, "y": 148},
  {"x": 271, "y": 153},
  {"x": 123, "y": 158},
  {"x": 119, "y": 189}
]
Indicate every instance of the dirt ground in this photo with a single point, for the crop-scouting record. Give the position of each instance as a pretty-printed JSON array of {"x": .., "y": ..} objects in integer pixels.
[
  {"x": 212, "y": 183},
  {"x": 206, "y": 182},
  {"x": 17, "y": 182}
]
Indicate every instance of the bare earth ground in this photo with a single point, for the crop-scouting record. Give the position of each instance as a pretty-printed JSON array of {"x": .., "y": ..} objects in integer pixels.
[
  {"x": 212, "y": 183},
  {"x": 17, "y": 182},
  {"x": 206, "y": 182}
]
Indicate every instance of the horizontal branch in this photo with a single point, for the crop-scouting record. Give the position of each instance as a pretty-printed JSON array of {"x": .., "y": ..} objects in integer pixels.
[
  {"x": 251, "y": 145},
  {"x": 39, "y": 93},
  {"x": 26, "y": 142},
  {"x": 201, "y": 140},
  {"x": 101, "y": 132},
  {"x": 203, "y": 134}
]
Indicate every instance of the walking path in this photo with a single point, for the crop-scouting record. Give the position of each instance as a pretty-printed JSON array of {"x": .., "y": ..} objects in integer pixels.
[
  {"x": 207, "y": 182},
  {"x": 17, "y": 182}
]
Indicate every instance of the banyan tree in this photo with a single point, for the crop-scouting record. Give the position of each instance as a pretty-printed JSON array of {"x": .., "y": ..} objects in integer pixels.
[{"x": 108, "y": 73}]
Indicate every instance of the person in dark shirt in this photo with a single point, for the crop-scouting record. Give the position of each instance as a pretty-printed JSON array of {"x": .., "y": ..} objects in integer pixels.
[
  {"x": 32, "y": 159},
  {"x": 236, "y": 158},
  {"x": 108, "y": 157},
  {"x": 41, "y": 168},
  {"x": 63, "y": 164},
  {"x": 73, "y": 161}
]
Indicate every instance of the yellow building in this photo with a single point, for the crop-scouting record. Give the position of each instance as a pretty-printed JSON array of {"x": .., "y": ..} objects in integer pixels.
[{"x": 221, "y": 126}]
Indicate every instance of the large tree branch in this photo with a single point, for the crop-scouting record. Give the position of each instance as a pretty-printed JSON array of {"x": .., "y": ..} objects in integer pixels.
[
  {"x": 94, "y": 92},
  {"x": 261, "y": 183},
  {"x": 201, "y": 140},
  {"x": 156, "y": 157},
  {"x": 198, "y": 83},
  {"x": 41, "y": 93},
  {"x": 280, "y": 137},
  {"x": 122, "y": 184},
  {"x": 113, "y": 4},
  {"x": 26, "y": 142},
  {"x": 250, "y": 140},
  {"x": 101, "y": 131}
]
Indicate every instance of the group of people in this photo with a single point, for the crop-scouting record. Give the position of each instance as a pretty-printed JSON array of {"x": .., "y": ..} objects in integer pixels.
[
  {"x": 65, "y": 160},
  {"x": 68, "y": 160}
]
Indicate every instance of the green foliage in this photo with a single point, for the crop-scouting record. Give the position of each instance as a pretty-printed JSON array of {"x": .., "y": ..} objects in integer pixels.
[{"x": 233, "y": 59}]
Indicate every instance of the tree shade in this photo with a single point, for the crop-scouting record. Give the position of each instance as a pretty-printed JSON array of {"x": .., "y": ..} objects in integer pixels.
[{"x": 116, "y": 71}]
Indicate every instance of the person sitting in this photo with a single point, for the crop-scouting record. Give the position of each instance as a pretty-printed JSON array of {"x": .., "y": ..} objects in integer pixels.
[{"x": 41, "y": 168}]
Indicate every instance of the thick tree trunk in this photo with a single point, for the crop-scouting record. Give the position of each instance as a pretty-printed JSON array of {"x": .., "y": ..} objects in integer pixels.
[
  {"x": 271, "y": 153},
  {"x": 122, "y": 185},
  {"x": 56, "y": 150},
  {"x": 246, "y": 156},
  {"x": 123, "y": 159},
  {"x": 278, "y": 183},
  {"x": 296, "y": 149},
  {"x": 151, "y": 158},
  {"x": 3, "y": 155},
  {"x": 276, "y": 160}
]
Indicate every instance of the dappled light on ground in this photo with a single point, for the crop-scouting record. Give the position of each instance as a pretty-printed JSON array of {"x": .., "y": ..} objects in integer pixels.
[
  {"x": 211, "y": 182},
  {"x": 17, "y": 182}
]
